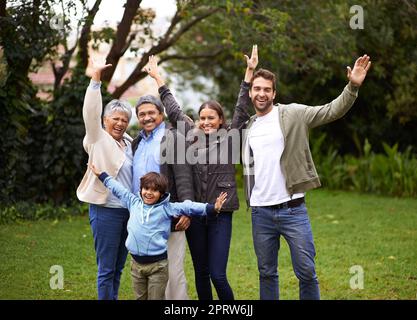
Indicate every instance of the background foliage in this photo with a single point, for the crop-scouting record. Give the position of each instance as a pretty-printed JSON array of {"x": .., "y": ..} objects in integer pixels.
[{"x": 308, "y": 44}]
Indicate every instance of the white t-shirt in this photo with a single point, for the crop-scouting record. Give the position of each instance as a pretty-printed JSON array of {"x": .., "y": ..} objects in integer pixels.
[{"x": 267, "y": 143}]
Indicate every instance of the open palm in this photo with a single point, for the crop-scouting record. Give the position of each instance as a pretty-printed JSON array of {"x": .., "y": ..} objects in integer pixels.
[
  {"x": 252, "y": 62},
  {"x": 221, "y": 199},
  {"x": 360, "y": 69},
  {"x": 152, "y": 67},
  {"x": 98, "y": 65}
]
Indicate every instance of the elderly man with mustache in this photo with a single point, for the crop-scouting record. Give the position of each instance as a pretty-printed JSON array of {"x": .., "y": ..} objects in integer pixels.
[{"x": 155, "y": 149}]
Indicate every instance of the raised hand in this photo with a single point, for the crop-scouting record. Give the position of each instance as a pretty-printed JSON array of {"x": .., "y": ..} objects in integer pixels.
[
  {"x": 98, "y": 65},
  {"x": 152, "y": 69},
  {"x": 360, "y": 69},
  {"x": 220, "y": 201},
  {"x": 252, "y": 62}
]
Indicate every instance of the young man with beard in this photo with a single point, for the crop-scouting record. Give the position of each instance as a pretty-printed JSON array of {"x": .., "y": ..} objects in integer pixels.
[
  {"x": 155, "y": 149},
  {"x": 279, "y": 169}
]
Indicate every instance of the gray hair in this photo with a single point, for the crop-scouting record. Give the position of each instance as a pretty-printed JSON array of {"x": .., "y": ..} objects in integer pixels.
[
  {"x": 152, "y": 100},
  {"x": 118, "y": 105}
]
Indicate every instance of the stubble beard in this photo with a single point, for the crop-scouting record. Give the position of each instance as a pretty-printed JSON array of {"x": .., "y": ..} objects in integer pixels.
[{"x": 264, "y": 109}]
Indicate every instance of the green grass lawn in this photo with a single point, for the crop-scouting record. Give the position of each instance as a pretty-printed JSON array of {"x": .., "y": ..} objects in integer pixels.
[{"x": 377, "y": 233}]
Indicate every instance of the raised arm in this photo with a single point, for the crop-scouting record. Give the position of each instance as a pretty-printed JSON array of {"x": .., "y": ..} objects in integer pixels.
[
  {"x": 187, "y": 208},
  {"x": 93, "y": 104},
  {"x": 319, "y": 115},
  {"x": 172, "y": 108},
  {"x": 251, "y": 63},
  {"x": 126, "y": 197},
  {"x": 241, "y": 113},
  {"x": 180, "y": 169},
  {"x": 190, "y": 208}
]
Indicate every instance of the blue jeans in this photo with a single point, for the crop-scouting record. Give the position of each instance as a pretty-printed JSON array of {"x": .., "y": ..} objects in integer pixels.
[
  {"x": 109, "y": 226},
  {"x": 209, "y": 243},
  {"x": 268, "y": 224}
]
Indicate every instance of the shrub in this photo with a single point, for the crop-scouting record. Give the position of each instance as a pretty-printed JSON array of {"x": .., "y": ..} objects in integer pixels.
[
  {"x": 391, "y": 173},
  {"x": 33, "y": 211}
]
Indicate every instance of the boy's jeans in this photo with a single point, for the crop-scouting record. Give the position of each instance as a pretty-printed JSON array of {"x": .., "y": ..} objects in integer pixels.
[{"x": 268, "y": 224}]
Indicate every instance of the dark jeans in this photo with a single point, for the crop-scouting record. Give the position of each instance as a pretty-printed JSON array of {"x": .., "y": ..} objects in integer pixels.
[
  {"x": 209, "y": 243},
  {"x": 109, "y": 226},
  {"x": 268, "y": 224}
]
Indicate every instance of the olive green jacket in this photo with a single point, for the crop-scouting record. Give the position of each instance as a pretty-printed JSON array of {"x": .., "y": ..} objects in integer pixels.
[{"x": 296, "y": 161}]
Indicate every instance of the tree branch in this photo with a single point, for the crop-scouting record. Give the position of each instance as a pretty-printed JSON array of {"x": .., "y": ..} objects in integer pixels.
[
  {"x": 410, "y": 6},
  {"x": 191, "y": 57},
  {"x": 128, "y": 43},
  {"x": 119, "y": 44},
  {"x": 174, "y": 21},
  {"x": 85, "y": 35},
  {"x": 65, "y": 42},
  {"x": 2, "y": 8},
  {"x": 183, "y": 29},
  {"x": 162, "y": 45},
  {"x": 59, "y": 72}
]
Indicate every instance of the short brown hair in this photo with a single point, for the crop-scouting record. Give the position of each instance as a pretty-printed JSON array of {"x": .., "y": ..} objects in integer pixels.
[
  {"x": 154, "y": 181},
  {"x": 266, "y": 74}
]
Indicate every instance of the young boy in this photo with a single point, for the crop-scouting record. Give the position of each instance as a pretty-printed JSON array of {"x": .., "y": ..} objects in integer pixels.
[{"x": 149, "y": 226}]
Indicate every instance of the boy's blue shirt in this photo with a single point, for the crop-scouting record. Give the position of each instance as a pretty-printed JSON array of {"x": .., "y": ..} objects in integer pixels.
[{"x": 149, "y": 226}]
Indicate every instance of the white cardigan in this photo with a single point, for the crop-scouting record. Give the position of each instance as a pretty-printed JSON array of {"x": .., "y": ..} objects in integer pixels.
[{"x": 103, "y": 150}]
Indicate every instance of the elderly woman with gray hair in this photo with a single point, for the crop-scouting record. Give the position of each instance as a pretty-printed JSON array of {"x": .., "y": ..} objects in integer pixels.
[{"x": 108, "y": 148}]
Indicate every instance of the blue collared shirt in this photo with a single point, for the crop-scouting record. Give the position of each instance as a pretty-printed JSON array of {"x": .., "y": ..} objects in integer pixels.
[{"x": 147, "y": 156}]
